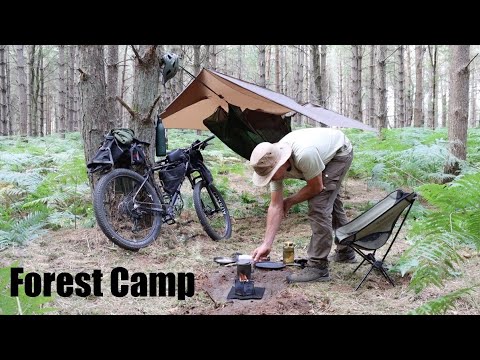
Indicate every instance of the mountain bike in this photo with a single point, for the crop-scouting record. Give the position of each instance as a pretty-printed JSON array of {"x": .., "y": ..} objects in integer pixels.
[{"x": 130, "y": 208}]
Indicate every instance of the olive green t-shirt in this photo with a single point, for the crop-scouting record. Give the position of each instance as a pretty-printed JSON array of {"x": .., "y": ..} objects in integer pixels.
[{"x": 312, "y": 149}]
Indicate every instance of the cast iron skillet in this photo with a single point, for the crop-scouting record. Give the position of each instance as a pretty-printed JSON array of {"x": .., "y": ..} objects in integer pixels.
[{"x": 272, "y": 265}]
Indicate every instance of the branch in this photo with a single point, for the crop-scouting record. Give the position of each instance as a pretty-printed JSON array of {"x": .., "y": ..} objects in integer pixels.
[
  {"x": 471, "y": 61},
  {"x": 391, "y": 54},
  {"x": 137, "y": 55},
  {"x": 83, "y": 75},
  {"x": 153, "y": 106},
  {"x": 132, "y": 113}
]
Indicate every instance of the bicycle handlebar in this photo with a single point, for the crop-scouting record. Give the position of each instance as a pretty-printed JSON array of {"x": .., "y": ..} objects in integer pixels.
[{"x": 202, "y": 143}]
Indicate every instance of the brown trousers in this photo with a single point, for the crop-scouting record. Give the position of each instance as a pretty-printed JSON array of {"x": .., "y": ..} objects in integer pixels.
[{"x": 326, "y": 211}]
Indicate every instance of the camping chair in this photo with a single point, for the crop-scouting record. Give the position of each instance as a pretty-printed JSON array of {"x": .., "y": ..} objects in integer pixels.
[{"x": 371, "y": 230}]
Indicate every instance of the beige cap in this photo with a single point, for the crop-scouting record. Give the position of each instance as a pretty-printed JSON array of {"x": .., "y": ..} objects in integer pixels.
[{"x": 266, "y": 159}]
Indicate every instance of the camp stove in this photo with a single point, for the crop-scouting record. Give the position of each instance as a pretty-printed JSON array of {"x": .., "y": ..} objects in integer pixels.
[{"x": 244, "y": 285}]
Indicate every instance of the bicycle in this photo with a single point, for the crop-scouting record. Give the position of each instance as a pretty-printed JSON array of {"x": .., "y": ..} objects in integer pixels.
[{"x": 130, "y": 208}]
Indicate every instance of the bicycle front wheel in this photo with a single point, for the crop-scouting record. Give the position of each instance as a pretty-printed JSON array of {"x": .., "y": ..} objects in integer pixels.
[
  {"x": 212, "y": 211},
  {"x": 122, "y": 209}
]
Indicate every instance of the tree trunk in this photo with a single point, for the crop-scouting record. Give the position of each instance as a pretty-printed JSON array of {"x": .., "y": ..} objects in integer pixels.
[
  {"x": 9, "y": 98},
  {"x": 61, "y": 91},
  {"x": 371, "y": 108},
  {"x": 340, "y": 87},
  {"x": 112, "y": 86},
  {"x": 240, "y": 56},
  {"x": 93, "y": 97},
  {"x": 268, "y": 53},
  {"x": 145, "y": 98},
  {"x": 196, "y": 59},
  {"x": 282, "y": 66},
  {"x": 42, "y": 94},
  {"x": 418, "y": 120},
  {"x": 196, "y": 66},
  {"x": 356, "y": 76},
  {"x": 277, "y": 68},
  {"x": 3, "y": 91},
  {"x": 261, "y": 65},
  {"x": 317, "y": 77},
  {"x": 48, "y": 115},
  {"x": 71, "y": 89},
  {"x": 323, "y": 76},
  {"x": 444, "y": 104},
  {"x": 382, "y": 87},
  {"x": 458, "y": 115},
  {"x": 473, "y": 97},
  {"x": 432, "y": 116},
  {"x": 31, "y": 90},
  {"x": 22, "y": 91},
  {"x": 213, "y": 57},
  {"x": 300, "y": 73},
  {"x": 401, "y": 87},
  {"x": 123, "y": 87},
  {"x": 225, "y": 60},
  {"x": 36, "y": 94},
  {"x": 408, "y": 88}
]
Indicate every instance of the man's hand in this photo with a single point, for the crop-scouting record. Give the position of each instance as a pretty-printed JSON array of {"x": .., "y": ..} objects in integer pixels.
[
  {"x": 287, "y": 204},
  {"x": 260, "y": 252}
]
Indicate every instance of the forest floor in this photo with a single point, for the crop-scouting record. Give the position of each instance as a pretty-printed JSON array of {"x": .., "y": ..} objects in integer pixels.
[{"x": 184, "y": 247}]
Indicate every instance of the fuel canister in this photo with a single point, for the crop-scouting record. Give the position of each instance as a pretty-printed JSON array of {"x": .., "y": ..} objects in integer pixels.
[{"x": 288, "y": 253}]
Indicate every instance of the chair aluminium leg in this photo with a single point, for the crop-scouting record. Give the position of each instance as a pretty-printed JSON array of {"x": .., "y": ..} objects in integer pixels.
[
  {"x": 364, "y": 278},
  {"x": 385, "y": 274}
]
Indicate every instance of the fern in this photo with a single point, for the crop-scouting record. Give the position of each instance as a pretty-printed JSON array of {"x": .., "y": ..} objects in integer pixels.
[
  {"x": 22, "y": 230},
  {"x": 442, "y": 304},
  {"x": 23, "y": 304},
  {"x": 454, "y": 223}
]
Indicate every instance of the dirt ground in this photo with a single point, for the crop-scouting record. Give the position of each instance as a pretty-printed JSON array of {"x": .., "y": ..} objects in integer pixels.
[{"x": 184, "y": 247}]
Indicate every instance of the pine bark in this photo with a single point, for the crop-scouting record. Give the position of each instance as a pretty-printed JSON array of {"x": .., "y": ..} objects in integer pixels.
[
  {"x": 473, "y": 98},
  {"x": 317, "y": 77},
  {"x": 22, "y": 91},
  {"x": 61, "y": 91},
  {"x": 261, "y": 65},
  {"x": 277, "y": 68},
  {"x": 93, "y": 97},
  {"x": 401, "y": 87},
  {"x": 145, "y": 94},
  {"x": 41, "y": 114},
  {"x": 432, "y": 116},
  {"x": 408, "y": 89},
  {"x": 3, "y": 91},
  {"x": 356, "y": 83},
  {"x": 382, "y": 87},
  {"x": 371, "y": 88},
  {"x": 70, "y": 116},
  {"x": 458, "y": 115},
  {"x": 112, "y": 86},
  {"x": 323, "y": 76},
  {"x": 418, "y": 118}
]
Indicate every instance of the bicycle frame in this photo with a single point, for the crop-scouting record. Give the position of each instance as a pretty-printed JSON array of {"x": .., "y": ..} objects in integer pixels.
[{"x": 194, "y": 163}]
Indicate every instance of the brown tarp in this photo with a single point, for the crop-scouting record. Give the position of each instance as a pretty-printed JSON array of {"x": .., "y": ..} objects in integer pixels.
[{"x": 198, "y": 101}]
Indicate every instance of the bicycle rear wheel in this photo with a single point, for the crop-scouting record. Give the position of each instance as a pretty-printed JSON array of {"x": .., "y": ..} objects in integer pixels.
[
  {"x": 116, "y": 201},
  {"x": 212, "y": 211}
]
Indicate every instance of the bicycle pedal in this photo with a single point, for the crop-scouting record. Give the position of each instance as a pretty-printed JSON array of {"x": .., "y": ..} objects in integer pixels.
[{"x": 169, "y": 220}]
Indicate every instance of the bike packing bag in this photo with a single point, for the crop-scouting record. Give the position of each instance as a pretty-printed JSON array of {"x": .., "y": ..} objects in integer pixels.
[
  {"x": 124, "y": 136},
  {"x": 171, "y": 176},
  {"x": 137, "y": 154},
  {"x": 108, "y": 154}
]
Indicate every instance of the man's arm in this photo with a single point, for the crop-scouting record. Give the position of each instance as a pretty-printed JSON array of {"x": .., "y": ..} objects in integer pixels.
[
  {"x": 274, "y": 218},
  {"x": 314, "y": 186}
]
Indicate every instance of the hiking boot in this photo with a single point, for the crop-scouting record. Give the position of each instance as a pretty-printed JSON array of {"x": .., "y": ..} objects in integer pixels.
[
  {"x": 343, "y": 257},
  {"x": 309, "y": 274}
]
